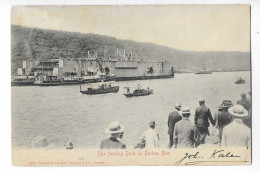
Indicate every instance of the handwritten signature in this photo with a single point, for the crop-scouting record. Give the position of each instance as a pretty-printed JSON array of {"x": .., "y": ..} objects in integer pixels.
[{"x": 198, "y": 156}]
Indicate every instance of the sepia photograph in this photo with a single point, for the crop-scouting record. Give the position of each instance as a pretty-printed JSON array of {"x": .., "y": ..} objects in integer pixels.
[{"x": 107, "y": 85}]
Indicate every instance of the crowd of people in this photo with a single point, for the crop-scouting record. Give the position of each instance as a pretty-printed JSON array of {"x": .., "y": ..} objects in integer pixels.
[{"x": 233, "y": 122}]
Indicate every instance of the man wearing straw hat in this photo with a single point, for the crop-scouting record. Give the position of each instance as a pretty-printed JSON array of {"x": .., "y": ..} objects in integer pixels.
[
  {"x": 223, "y": 117},
  {"x": 173, "y": 118},
  {"x": 116, "y": 130},
  {"x": 201, "y": 120},
  {"x": 184, "y": 131},
  {"x": 151, "y": 137},
  {"x": 237, "y": 134}
]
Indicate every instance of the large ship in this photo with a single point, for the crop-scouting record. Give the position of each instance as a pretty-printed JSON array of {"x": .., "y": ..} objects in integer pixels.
[
  {"x": 65, "y": 71},
  {"x": 204, "y": 70}
]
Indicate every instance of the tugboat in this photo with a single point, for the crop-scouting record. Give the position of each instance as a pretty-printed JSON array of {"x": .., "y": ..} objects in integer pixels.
[
  {"x": 138, "y": 92},
  {"x": 102, "y": 88},
  {"x": 240, "y": 81}
]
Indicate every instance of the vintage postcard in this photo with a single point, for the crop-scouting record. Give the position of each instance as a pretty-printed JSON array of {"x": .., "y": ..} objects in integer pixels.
[{"x": 131, "y": 85}]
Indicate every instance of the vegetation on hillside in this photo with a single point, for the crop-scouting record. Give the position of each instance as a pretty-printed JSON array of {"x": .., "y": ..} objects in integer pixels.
[{"x": 42, "y": 44}]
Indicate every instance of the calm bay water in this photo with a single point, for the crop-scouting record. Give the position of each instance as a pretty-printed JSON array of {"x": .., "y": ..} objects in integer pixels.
[{"x": 62, "y": 113}]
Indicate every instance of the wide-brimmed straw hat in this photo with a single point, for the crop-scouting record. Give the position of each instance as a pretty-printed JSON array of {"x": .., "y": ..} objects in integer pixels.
[
  {"x": 114, "y": 127},
  {"x": 238, "y": 111}
]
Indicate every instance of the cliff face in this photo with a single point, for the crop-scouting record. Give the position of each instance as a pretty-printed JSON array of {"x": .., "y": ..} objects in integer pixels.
[{"x": 42, "y": 44}]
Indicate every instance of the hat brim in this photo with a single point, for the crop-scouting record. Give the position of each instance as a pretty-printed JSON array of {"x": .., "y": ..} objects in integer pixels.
[
  {"x": 227, "y": 106},
  {"x": 108, "y": 131},
  {"x": 245, "y": 113}
]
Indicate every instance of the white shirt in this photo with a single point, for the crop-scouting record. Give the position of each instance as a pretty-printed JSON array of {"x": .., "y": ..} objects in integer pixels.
[
  {"x": 151, "y": 138},
  {"x": 236, "y": 134}
]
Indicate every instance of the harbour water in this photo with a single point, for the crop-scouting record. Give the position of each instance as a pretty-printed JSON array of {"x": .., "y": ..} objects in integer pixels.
[{"x": 62, "y": 113}]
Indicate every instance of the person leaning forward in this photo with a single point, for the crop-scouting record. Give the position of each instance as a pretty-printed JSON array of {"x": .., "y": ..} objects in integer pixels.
[
  {"x": 201, "y": 120},
  {"x": 173, "y": 118},
  {"x": 116, "y": 134}
]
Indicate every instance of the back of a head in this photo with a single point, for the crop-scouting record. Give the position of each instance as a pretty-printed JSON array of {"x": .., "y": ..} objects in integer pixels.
[
  {"x": 186, "y": 112},
  {"x": 152, "y": 124},
  {"x": 201, "y": 101},
  {"x": 178, "y": 106},
  {"x": 243, "y": 95}
]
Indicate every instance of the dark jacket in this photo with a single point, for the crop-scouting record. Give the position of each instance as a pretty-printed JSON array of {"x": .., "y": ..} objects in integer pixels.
[
  {"x": 112, "y": 143},
  {"x": 202, "y": 117},
  {"x": 174, "y": 117},
  {"x": 244, "y": 103},
  {"x": 223, "y": 118}
]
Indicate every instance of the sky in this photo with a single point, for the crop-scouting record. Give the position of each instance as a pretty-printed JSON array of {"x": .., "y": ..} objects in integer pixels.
[{"x": 183, "y": 27}]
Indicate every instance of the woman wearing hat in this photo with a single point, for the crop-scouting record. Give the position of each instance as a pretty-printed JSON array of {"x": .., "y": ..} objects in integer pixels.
[
  {"x": 115, "y": 129},
  {"x": 237, "y": 134}
]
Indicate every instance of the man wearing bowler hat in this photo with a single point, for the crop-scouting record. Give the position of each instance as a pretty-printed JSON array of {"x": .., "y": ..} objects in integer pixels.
[
  {"x": 116, "y": 130},
  {"x": 183, "y": 134},
  {"x": 237, "y": 134},
  {"x": 223, "y": 117},
  {"x": 151, "y": 137},
  {"x": 173, "y": 118},
  {"x": 201, "y": 120}
]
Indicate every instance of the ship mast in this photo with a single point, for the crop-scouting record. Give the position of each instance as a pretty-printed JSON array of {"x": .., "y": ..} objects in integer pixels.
[
  {"x": 124, "y": 54},
  {"x": 131, "y": 55},
  {"x": 117, "y": 53}
]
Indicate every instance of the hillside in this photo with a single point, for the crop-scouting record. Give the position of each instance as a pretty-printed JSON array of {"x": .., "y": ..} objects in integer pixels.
[{"x": 31, "y": 43}]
